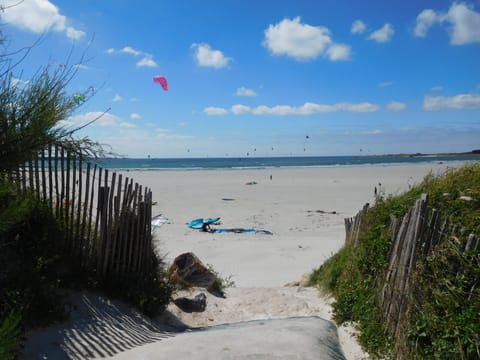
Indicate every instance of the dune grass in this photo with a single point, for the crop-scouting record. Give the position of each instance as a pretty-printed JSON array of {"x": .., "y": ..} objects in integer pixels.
[{"x": 444, "y": 313}]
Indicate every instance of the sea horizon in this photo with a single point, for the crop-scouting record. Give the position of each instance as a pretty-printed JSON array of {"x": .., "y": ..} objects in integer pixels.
[{"x": 252, "y": 162}]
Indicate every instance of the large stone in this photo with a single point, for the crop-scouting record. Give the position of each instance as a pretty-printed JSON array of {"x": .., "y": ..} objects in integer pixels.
[
  {"x": 188, "y": 270},
  {"x": 197, "y": 304}
]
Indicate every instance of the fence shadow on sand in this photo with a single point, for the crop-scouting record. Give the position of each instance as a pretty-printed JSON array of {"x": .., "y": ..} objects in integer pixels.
[{"x": 97, "y": 328}]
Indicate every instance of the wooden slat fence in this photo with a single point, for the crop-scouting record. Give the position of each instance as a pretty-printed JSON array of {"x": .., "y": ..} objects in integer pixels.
[
  {"x": 107, "y": 218},
  {"x": 355, "y": 225},
  {"x": 414, "y": 237}
]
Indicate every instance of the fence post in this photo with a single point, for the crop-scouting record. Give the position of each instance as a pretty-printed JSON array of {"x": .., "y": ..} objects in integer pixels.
[
  {"x": 50, "y": 182},
  {"x": 131, "y": 225},
  {"x": 44, "y": 181},
  {"x": 109, "y": 241},
  {"x": 62, "y": 188},
  {"x": 86, "y": 239},
  {"x": 117, "y": 245},
  {"x": 71, "y": 203},
  {"x": 37, "y": 189},
  {"x": 79, "y": 220},
  {"x": 103, "y": 215},
  {"x": 124, "y": 229}
]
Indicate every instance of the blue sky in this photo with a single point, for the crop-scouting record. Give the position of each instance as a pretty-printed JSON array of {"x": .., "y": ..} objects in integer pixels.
[{"x": 267, "y": 78}]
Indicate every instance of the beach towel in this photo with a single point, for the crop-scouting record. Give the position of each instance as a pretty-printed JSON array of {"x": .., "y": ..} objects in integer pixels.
[{"x": 241, "y": 231}]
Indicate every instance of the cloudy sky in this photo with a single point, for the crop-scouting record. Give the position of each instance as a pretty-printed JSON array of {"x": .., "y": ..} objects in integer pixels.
[{"x": 269, "y": 78}]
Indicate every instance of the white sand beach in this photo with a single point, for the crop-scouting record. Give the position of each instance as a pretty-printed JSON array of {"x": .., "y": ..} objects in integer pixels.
[{"x": 304, "y": 208}]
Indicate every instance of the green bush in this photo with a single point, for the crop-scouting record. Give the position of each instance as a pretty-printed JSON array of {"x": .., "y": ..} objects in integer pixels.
[
  {"x": 446, "y": 308},
  {"x": 150, "y": 293},
  {"x": 30, "y": 261},
  {"x": 10, "y": 335},
  {"x": 30, "y": 264},
  {"x": 328, "y": 274}
]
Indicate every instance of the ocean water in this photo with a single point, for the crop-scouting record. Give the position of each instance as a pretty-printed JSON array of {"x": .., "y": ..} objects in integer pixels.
[{"x": 272, "y": 162}]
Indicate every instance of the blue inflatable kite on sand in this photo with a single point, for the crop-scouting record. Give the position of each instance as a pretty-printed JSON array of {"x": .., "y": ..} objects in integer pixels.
[{"x": 204, "y": 225}]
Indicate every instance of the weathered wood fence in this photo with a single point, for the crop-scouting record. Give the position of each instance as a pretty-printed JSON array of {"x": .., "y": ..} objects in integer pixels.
[
  {"x": 414, "y": 237},
  {"x": 107, "y": 219}
]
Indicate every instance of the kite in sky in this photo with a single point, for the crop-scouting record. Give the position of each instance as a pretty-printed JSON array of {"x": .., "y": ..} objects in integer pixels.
[
  {"x": 162, "y": 81},
  {"x": 79, "y": 98}
]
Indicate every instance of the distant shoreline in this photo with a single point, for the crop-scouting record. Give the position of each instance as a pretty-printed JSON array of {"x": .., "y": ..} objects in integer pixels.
[
  {"x": 239, "y": 163},
  {"x": 474, "y": 153}
]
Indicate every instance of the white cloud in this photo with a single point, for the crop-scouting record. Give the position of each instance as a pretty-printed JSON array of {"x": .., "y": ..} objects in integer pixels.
[
  {"x": 37, "y": 16},
  {"x": 212, "y": 110},
  {"x": 300, "y": 41},
  {"x": 74, "y": 34},
  {"x": 396, "y": 106},
  {"x": 276, "y": 110},
  {"x": 103, "y": 119},
  {"x": 436, "y": 88},
  {"x": 382, "y": 35},
  {"x": 424, "y": 21},
  {"x": 338, "y": 52},
  {"x": 372, "y": 132},
  {"x": 358, "y": 27},
  {"x": 15, "y": 82},
  {"x": 303, "y": 41},
  {"x": 385, "y": 84},
  {"x": 460, "y": 101},
  {"x": 241, "y": 109},
  {"x": 127, "y": 125},
  {"x": 307, "y": 108},
  {"x": 463, "y": 23},
  {"x": 117, "y": 98},
  {"x": 360, "y": 107},
  {"x": 208, "y": 57},
  {"x": 81, "y": 67},
  {"x": 167, "y": 134},
  {"x": 466, "y": 24},
  {"x": 147, "y": 61},
  {"x": 243, "y": 91},
  {"x": 135, "y": 116},
  {"x": 130, "y": 50}
]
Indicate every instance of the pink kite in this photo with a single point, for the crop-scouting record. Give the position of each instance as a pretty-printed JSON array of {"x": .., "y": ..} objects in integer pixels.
[{"x": 162, "y": 81}]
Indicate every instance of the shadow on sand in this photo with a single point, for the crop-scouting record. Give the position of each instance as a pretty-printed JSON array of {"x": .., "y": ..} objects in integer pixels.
[{"x": 97, "y": 328}]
